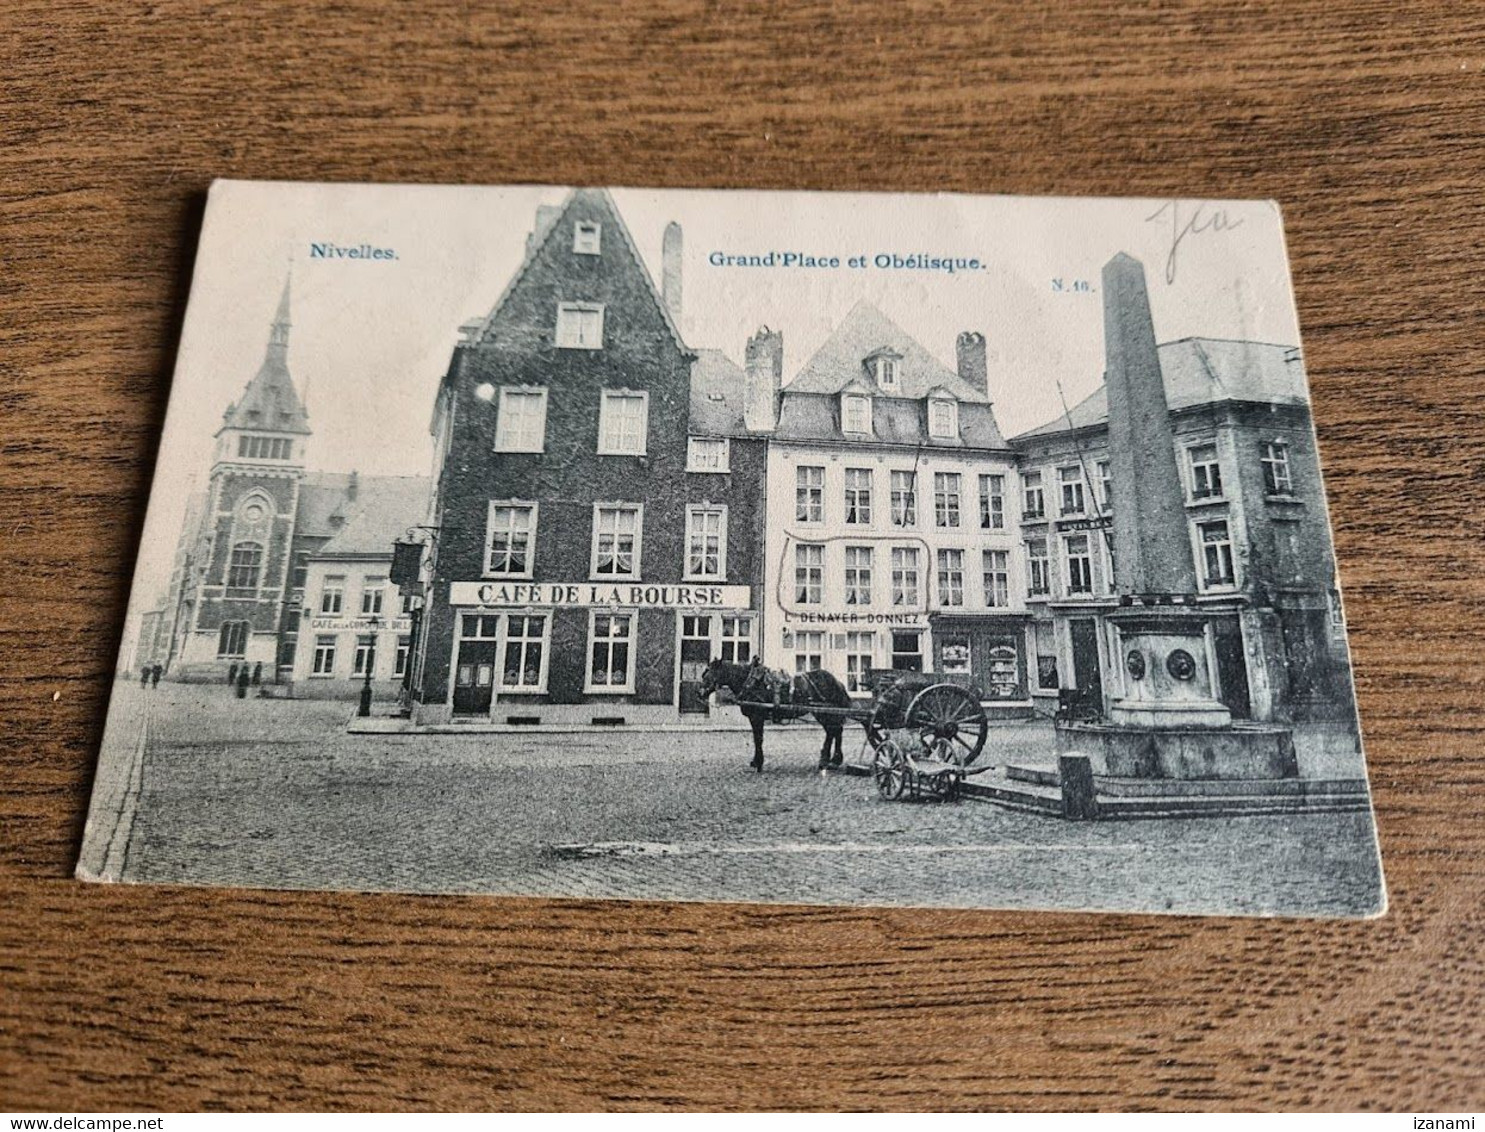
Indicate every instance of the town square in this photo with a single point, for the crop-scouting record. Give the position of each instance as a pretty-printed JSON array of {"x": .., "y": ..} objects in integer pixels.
[{"x": 726, "y": 622}]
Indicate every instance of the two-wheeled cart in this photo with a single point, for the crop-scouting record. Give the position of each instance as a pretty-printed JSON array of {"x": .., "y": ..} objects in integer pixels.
[{"x": 923, "y": 730}]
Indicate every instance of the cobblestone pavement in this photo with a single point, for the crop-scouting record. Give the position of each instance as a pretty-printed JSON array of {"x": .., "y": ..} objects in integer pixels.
[{"x": 276, "y": 794}]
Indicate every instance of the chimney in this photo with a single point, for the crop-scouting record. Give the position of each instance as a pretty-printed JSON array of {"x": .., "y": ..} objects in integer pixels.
[
  {"x": 546, "y": 216},
  {"x": 670, "y": 270},
  {"x": 352, "y": 486},
  {"x": 764, "y": 361},
  {"x": 970, "y": 353}
]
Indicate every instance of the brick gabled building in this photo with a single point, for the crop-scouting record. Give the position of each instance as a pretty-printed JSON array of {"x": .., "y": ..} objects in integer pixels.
[{"x": 598, "y": 500}]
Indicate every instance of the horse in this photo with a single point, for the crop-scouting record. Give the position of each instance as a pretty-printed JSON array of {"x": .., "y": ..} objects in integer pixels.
[{"x": 753, "y": 685}]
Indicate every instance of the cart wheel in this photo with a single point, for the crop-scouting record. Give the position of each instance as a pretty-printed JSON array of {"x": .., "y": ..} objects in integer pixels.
[
  {"x": 951, "y": 714},
  {"x": 889, "y": 768}
]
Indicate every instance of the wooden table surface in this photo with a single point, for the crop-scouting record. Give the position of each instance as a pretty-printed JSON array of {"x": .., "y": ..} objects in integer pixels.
[{"x": 1364, "y": 119}]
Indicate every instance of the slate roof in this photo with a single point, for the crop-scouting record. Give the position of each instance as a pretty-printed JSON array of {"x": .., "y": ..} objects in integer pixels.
[
  {"x": 270, "y": 401},
  {"x": 384, "y": 508},
  {"x": 863, "y": 332},
  {"x": 894, "y": 420},
  {"x": 718, "y": 386},
  {"x": 1204, "y": 371}
]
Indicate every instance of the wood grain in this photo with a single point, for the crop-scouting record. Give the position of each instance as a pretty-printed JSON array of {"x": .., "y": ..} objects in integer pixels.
[{"x": 1363, "y": 119}]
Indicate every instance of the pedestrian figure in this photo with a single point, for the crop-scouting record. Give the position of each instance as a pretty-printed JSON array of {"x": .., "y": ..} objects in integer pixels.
[
  {"x": 144, "y": 677},
  {"x": 232, "y": 675},
  {"x": 242, "y": 682},
  {"x": 155, "y": 675},
  {"x": 257, "y": 674}
]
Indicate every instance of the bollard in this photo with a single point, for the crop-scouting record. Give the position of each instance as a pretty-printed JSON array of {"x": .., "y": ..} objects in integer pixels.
[{"x": 1078, "y": 800}]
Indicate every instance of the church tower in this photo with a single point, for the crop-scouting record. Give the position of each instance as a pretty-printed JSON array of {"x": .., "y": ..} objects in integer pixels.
[{"x": 243, "y": 559}]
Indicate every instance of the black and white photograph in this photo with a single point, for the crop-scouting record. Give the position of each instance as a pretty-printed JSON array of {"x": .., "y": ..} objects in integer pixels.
[{"x": 780, "y": 547}]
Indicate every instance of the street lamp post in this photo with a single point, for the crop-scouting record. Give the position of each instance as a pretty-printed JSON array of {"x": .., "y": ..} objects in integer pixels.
[{"x": 365, "y": 708}]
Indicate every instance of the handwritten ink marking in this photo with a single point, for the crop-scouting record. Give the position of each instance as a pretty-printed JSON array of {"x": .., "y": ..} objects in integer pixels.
[{"x": 1198, "y": 222}]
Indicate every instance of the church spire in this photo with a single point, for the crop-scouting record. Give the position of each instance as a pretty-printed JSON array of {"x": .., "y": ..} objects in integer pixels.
[
  {"x": 270, "y": 402},
  {"x": 279, "y": 335}
]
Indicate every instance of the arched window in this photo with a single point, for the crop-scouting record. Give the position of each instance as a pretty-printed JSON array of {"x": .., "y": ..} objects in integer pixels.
[
  {"x": 232, "y": 640},
  {"x": 245, "y": 567}
]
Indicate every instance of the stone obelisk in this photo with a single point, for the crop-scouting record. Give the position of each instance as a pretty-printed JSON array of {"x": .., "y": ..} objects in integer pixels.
[{"x": 1168, "y": 679}]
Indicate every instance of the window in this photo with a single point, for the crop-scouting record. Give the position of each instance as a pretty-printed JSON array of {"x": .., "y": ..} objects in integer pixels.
[
  {"x": 904, "y": 499},
  {"x": 408, "y": 603},
  {"x": 946, "y": 499},
  {"x": 1216, "y": 553},
  {"x": 884, "y": 369},
  {"x": 1079, "y": 564},
  {"x": 399, "y": 663},
  {"x": 907, "y": 650},
  {"x": 511, "y": 533},
  {"x": 616, "y": 541},
  {"x": 1039, "y": 578},
  {"x": 943, "y": 418},
  {"x": 809, "y": 651},
  {"x": 905, "y": 576},
  {"x": 956, "y": 655},
  {"x": 579, "y": 326},
  {"x": 1206, "y": 472},
  {"x": 264, "y": 448},
  {"x": 860, "y": 647},
  {"x": 524, "y": 665},
  {"x": 232, "y": 640},
  {"x": 809, "y": 573},
  {"x": 586, "y": 237},
  {"x": 623, "y": 423},
  {"x": 809, "y": 495},
  {"x": 707, "y": 454},
  {"x": 301, "y": 570},
  {"x": 1046, "y": 656},
  {"x": 365, "y": 659},
  {"x": 324, "y": 662},
  {"x": 706, "y": 543},
  {"x": 521, "y": 421},
  {"x": 610, "y": 653},
  {"x": 245, "y": 567},
  {"x": 737, "y": 639},
  {"x": 951, "y": 577},
  {"x": 858, "y": 496},
  {"x": 858, "y": 575},
  {"x": 1105, "y": 486},
  {"x": 332, "y": 596},
  {"x": 992, "y": 503},
  {"x": 855, "y": 415},
  {"x": 371, "y": 597},
  {"x": 1276, "y": 477},
  {"x": 1034, "y": 501},
  {"x": 1071, "y": 482},
  {"x": 996, "y": 565}
]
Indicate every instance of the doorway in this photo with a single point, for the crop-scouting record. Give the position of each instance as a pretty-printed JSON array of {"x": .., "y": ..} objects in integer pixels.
[
  {"x": 696, "y": 653},
  {"x": 1087, "y": 677},
  {"x": 474, "y": 669}
]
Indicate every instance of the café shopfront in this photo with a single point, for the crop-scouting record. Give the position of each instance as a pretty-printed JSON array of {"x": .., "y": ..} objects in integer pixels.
[{"x": 591, "y": 652}]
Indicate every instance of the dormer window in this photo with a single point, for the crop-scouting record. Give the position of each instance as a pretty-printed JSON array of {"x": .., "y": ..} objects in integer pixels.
[
  {"x": 586, "y": 237},
  {"x": 943, "y": 418},
  {"x": 883, "y": 367},
  {"x": 855, "y": 415}
]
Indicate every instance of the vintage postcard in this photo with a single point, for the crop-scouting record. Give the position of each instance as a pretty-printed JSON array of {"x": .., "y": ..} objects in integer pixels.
[{"x": 788, "y": 547}]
